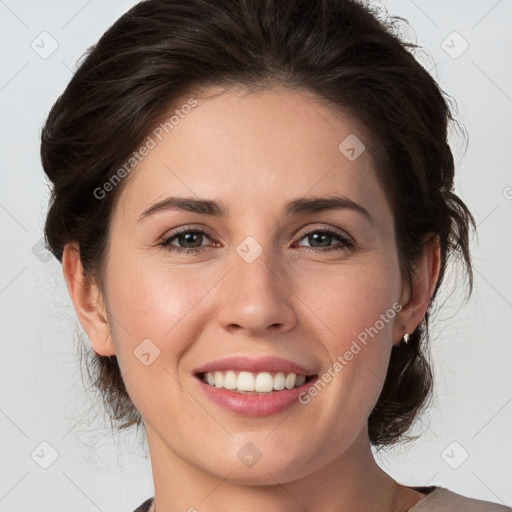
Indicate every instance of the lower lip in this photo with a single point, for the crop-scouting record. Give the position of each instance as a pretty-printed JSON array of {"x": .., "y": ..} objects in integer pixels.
[{"x": 255, "y": 405}]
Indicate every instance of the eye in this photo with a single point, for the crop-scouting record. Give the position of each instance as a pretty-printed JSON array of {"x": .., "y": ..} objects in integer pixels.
[
  {"x": 319, "y": 240},
  {"x": 189, "y": 240}
]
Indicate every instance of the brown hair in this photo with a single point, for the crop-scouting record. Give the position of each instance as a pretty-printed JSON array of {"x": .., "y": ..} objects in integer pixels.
[{"x": 341, "y": 51}]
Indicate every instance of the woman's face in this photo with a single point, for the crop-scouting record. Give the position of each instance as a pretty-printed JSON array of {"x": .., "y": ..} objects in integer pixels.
[{"x": 262, "y": 282}]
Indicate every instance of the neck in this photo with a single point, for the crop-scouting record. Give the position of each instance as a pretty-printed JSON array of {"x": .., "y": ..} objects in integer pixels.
[{"x": 353, "y": 482}]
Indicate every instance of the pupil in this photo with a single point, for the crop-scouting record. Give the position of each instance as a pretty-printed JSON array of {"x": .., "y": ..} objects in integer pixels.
[
  {"x": 188, "y": 240},
  {"x": 315, "y": 237}
]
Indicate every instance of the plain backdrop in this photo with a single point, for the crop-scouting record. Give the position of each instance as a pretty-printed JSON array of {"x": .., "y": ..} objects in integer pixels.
[{"x": 56, "y": 447}]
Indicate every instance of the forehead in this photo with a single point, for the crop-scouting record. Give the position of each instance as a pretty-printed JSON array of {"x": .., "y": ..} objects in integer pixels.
[{"x": 246, "y": 147}]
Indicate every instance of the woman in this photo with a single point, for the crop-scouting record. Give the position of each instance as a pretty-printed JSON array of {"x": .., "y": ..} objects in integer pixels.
[{"x": 253, "y": 205}]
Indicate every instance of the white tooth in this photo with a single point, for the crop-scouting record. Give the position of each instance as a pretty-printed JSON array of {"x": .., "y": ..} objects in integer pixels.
[
  {"x": 301, "y": 379},
  {"x": 230, "y": 380},
  {"x": 219, "y": 379},
  {"x": 290, "y": 380},
  {"x": 264, "y": 383},
  {"x": 245, "y": 381},
  {"x": 279, "y": 381},
  {"x": 248, "y": 382}
]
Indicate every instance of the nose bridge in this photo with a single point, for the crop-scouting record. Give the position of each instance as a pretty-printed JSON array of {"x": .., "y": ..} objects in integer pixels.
[
  {"x": 256, "y": 294},
  {"x": 255, "y": 268}
]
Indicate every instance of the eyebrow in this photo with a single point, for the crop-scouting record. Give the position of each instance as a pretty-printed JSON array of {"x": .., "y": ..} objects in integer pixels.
[{"x": 218, "y": 209}]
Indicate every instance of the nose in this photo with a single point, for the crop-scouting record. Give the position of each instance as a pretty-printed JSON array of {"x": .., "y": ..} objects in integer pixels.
[{"x": 257, "y": 296}]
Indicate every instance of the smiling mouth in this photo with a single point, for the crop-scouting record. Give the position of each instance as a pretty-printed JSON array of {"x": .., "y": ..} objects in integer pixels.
[{"x": 254, "y": 383}]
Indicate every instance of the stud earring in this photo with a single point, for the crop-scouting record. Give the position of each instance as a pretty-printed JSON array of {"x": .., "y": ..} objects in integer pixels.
[{"x": 406, "y": 338}]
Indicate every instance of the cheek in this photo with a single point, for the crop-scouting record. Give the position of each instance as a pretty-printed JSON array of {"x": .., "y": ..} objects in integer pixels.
[
  {"x": 349, "y": 299},
  {"x": 157, "y": 310},
  {"x": 150, "y": 315},
  {"x": 150, "y": 299},
  {"x": 353, "y": 317}
]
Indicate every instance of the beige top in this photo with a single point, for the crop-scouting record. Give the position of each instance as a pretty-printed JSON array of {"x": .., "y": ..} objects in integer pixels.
[
  {"x": 443, "y": 500},
  {"x": 438, "y": 500}
]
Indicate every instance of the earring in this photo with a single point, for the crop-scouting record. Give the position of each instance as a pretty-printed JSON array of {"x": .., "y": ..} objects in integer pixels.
[{"x": 406, "y": 338}]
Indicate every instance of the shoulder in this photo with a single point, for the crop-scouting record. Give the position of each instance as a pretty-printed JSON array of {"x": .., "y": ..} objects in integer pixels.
[
  {"x": 145, "y": 507},
  {"x": 439, "y": 500},
  {"x": 444, "y": 500}
]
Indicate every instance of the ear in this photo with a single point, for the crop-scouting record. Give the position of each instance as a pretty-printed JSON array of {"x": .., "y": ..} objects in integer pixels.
[
  {"x": 424, "y": 280},
  {"x": 88, "y": 302}
]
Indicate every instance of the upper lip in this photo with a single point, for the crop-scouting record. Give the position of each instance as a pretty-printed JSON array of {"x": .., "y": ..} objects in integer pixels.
[{"x": 256, "y": 365}]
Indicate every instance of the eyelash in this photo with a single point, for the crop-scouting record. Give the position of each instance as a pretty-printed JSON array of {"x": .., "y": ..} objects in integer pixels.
[{"x": 347, "y": 242}]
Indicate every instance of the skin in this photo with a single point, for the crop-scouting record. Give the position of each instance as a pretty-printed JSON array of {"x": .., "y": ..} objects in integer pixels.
[{"x": 254, "y": 152}]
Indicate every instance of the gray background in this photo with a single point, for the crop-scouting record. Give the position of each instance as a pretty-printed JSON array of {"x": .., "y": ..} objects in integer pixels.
[{"x": 42, "y": 395}]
